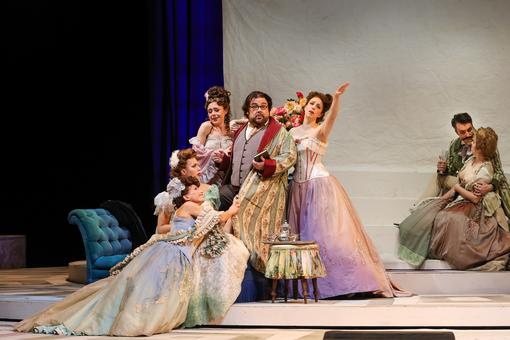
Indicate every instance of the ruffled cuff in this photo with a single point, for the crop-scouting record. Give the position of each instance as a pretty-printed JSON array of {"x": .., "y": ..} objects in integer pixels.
[
  {"x": 269, "y": 168},
  {"x": 196, "y": 142}
]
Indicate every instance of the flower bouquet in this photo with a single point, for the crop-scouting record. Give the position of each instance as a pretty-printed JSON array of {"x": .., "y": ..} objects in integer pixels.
[{"x": 291, "y": 114}]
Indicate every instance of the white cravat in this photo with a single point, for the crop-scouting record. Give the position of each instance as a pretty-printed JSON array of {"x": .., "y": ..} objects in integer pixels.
[{"x": 251, "y": 130}]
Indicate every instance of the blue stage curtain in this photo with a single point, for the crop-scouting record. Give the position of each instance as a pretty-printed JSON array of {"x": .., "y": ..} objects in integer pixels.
[{"x": 186, "y": 59}]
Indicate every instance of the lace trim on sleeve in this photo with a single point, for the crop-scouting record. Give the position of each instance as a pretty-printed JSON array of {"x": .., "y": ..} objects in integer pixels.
[{"x": 206, "y": 221}]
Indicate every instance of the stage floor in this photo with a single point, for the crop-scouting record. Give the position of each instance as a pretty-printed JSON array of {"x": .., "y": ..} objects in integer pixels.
[
  {"x": 6, "y": 332},
  {"x": 26, "y": 291}
]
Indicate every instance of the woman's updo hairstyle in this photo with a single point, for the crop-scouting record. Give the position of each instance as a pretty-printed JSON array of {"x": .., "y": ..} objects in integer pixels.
[
  {"x": 187, "y": 182},
  {"x": 219, "y": 95},
  {"x": 182, "y": 156},
  {"x": 486, "y": 141},
  {"x": 326, "y": 99}
]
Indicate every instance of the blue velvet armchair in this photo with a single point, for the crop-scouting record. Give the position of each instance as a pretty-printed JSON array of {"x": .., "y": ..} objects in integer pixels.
[{"x": 106, "y": 242}]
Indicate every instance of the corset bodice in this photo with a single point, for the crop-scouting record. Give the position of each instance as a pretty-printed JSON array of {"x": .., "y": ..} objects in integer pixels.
[
  {"x": 184, "y": 224},
  {"x": 216, "y": 141},
  {"x": 470, "y": 174},
  {"x": 309, "y": 161}
]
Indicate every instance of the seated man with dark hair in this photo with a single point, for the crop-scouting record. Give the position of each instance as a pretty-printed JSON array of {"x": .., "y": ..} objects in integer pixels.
[{"x": 458, "y": 152}]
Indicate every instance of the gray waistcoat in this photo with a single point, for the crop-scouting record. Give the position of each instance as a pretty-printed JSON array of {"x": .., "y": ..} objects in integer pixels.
[{"x": 243, "y": 152}]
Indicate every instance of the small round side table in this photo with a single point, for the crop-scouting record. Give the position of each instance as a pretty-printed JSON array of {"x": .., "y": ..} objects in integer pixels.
[{"x": 294, "y": 260}]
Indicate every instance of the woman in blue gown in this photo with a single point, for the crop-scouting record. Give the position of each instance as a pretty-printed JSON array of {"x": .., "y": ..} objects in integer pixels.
[
  {"x": 220, "y": 260},
  {"x": 149, "y": 291}
]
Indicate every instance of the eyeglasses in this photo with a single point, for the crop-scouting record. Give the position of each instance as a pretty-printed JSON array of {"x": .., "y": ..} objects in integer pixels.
[{"x": 255, "y": 107}]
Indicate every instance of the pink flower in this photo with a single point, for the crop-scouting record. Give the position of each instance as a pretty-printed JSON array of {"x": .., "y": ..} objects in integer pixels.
[{"x": 280, "y": 111}]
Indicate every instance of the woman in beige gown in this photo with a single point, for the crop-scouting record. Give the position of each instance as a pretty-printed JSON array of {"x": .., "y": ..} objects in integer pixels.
[{"x": 460, "y": 227}]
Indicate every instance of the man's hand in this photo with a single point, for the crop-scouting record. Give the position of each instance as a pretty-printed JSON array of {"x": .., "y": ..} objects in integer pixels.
[
  {"x": 217, "y": 156},
  {"x": 481, "y": 189},
  {"x": 449, "y": 195},
  {"x": 259, "y": 166}
]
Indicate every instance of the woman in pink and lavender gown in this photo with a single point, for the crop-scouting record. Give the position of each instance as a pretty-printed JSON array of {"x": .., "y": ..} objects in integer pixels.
[
  {"x": 213, "y": 134},
  {"x": 320, "y": 210}
]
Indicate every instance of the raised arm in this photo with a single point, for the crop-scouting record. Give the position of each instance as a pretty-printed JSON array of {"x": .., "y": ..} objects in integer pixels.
[
  {"x": 233, "y": 210},
  {"x": 329, "y": 121}
]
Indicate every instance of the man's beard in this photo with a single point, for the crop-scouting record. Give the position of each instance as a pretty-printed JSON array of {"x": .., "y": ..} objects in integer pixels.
[{"x": 256, "y": 124}]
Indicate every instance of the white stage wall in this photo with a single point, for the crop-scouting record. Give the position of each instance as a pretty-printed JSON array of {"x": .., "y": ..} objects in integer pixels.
[{"x": 411, "y": 64}]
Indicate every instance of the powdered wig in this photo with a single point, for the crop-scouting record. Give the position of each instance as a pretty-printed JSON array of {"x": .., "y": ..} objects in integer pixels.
[
  {"x": 188, "y": 182},
  {"x": 326, "y": 99},
  {"x": 486, "y": 141},
  {"x": 183, "y": 156},
  {"x": 220, "y": 96}
]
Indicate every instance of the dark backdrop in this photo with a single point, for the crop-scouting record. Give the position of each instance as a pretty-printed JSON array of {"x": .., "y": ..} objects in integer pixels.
[{"x": 77, "y": 114}]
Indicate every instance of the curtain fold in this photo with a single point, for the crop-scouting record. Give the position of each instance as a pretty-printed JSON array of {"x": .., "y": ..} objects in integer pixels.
[{"x": 186, "y": 59}]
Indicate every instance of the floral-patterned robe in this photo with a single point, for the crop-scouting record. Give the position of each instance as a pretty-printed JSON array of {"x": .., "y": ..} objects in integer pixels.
[{"x": 263, "y": 195}]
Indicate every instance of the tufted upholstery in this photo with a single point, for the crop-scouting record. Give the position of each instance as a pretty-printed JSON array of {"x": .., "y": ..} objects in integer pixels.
[
  {"x": 106, "y": 243},
  {"x": 127, "y": 217}
]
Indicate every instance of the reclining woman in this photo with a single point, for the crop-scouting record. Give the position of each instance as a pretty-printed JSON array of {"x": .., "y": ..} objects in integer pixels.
[
  {"x": 224, "y": 250},
  {"x": 148, "y": 292}
]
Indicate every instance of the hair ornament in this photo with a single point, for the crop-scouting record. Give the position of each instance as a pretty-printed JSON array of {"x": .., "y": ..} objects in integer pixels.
[
  {"x": 175, "y": 188},
  {"x": 174, "y": 159}
]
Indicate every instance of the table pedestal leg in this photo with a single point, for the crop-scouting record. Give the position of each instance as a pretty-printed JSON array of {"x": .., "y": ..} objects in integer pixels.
[
  {"x": 273, "y": 290},
  {"x": 315, "y": 290},
  {"x": 304, "y": 286},
  {"x": 295, "y": 291},
  {"x": 286, "y": 288}
]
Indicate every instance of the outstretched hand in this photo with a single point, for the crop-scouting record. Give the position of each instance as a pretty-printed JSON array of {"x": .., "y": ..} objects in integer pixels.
[
  {"x": 236, "y": 205},
  {"x": 342, "y": 89}
]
